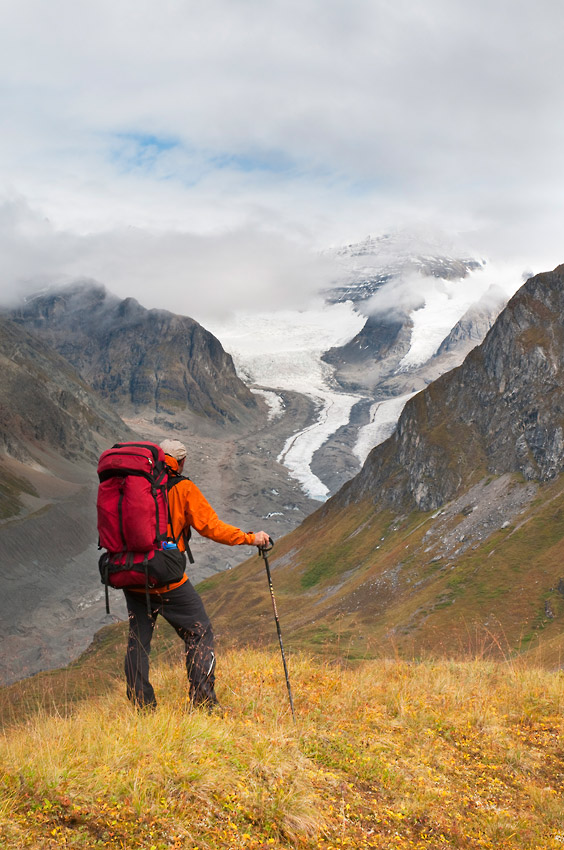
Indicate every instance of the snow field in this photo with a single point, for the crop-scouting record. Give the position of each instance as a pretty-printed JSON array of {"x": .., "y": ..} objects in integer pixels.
[{"x": 446, "y": 302}]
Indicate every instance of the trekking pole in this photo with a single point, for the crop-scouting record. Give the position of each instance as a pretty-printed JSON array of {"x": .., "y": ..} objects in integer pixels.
[{"x": 263, "y": 550}]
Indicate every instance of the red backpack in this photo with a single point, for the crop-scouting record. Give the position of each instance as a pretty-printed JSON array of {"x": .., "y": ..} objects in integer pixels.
[{"x": 132, "y": 508}]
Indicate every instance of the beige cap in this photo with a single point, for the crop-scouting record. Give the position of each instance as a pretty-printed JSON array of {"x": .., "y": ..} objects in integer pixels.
[{"x": 174, "y": 448}]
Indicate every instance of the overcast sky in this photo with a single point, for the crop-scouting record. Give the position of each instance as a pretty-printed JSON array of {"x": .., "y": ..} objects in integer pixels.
[{"x": 205, "y": 151}]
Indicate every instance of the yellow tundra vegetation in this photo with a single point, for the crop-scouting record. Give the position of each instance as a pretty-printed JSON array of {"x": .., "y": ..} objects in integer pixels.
[{"x": 386, "y": 754}]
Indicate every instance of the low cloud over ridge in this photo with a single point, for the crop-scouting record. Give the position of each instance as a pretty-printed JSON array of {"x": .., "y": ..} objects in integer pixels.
[{"x": 192, "y": 274}]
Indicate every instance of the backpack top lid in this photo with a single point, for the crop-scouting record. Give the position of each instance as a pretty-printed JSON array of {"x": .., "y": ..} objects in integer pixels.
[{"x": 139, "y": 458}]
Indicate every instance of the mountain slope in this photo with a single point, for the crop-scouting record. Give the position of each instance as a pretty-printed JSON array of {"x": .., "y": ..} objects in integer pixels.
[
  {"x": 373, "y": 356},
  {"x": 451, "y": 537},
  {"x": 53, "y": 427},
  {"x": 48, "y": 415},
  {"x": 143, "y": 361},
  {"x": 472, "y": 328}
]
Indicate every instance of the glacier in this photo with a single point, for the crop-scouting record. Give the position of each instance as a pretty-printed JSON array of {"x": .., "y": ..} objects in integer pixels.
[
  {"x": 383, "y": 417},
  {"x": 282, "y": 351}
]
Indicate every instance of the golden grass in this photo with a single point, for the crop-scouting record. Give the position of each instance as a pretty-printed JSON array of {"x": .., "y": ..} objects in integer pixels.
[{"x": 390, "y": 754}]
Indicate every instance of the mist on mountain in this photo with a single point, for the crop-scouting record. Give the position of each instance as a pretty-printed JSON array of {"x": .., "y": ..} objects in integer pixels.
[{"x": 201, "y": 275}]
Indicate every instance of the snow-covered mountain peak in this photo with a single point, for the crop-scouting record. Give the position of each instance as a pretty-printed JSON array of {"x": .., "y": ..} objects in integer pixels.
[
  {"x": 365, "y": 266},
  {"x": 405, "y": 242}
]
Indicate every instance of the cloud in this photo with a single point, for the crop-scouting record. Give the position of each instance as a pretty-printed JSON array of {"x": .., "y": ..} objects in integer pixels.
[
  {"x": 192, "y": 274},
  {"x": 488, "y": 286},
  {"x": 320, "y": 121},
  {"x": 399, "y": 297}
]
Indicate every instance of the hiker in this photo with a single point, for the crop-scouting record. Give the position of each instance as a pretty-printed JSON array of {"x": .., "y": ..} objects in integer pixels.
[{"x": 178, "y": 601}]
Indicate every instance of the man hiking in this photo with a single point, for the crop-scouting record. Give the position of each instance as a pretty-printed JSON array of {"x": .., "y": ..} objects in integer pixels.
[{"x": 177, "y": 601}]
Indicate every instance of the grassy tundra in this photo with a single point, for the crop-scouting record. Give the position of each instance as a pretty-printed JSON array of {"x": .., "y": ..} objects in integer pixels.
[{"x": 384, "y": 754}]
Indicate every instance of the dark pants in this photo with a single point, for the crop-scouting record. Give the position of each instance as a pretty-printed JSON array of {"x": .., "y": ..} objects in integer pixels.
[{"x": 185, "y": 612}]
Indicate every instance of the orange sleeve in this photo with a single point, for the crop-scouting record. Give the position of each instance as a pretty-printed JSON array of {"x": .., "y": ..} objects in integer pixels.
[{"x": 189, "y": 507}]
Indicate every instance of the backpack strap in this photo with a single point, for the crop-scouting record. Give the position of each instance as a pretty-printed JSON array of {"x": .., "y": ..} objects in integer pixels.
[
  {"x": 147, "y": 593},
  {"x": 160, "y": 483},
  {"x": 173, "y": 480}
]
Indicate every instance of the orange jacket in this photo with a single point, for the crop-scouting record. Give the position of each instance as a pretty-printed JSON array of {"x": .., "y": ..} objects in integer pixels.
[{"x": 190, "y": 509}]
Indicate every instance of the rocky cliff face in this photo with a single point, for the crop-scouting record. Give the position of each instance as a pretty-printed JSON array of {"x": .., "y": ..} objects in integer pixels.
[
  {"x": 373, "y": 355},
  {"x": 472, "y": 328},
  {"x": 45, "y": 404},
  {"x": 140, "y": 360},
  {"x": 501, "y": 411}
]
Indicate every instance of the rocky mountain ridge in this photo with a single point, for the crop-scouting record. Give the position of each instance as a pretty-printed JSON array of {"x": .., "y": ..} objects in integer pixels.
[
  {"x": 140, "y": 361},
  {"x": 472, "y": 328},
  {"x": 501, "y": 411}
]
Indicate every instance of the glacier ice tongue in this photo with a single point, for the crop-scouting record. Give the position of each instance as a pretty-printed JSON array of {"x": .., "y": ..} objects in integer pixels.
[{"x": 282, "y": 351}]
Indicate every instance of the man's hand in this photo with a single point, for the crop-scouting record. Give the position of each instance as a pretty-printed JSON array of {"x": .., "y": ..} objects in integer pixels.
[{"x": 262, "y": 540}]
